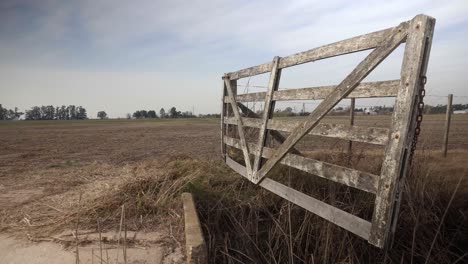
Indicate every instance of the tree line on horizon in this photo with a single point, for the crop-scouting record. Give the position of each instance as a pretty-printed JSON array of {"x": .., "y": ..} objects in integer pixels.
[
  {"x": 50, "y": 112},
  {"x": 45, "y": 112},
  {"x": 72, "y": 112},
  {"x": 172, "y": 113},
  {"x": 9, "y": 114}
]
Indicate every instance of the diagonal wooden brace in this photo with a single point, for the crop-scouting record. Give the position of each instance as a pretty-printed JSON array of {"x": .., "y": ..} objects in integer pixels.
[
  {"x": 395, "y": 38},
  {"x": 240, "y": 127}
]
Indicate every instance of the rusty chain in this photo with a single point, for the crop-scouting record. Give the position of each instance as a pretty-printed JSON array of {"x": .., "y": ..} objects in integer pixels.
[{"x": 419, "y": 117}]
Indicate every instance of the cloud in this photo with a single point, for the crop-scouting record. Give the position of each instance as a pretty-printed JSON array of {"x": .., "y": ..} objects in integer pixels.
[{"x": 196, "y": 41}]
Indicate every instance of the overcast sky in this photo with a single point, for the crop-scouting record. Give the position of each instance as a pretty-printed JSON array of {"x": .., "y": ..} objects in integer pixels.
[{"x": 121, "y": 56}]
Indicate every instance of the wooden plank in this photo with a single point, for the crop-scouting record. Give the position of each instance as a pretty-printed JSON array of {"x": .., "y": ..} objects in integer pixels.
[
  {"x": 363, "y": 90},
  {"x": 229, "y": 113},
  {"x": 355, "y": 44},
  {"x": 275, "y": 134},
  {"x": 394, "y": 165},
  {"x": 371, "y": 135},
  {"x": 223, "y": 110},
  {"x": 407, "y": 157},
  {"x": 350, "y": 222},
  {"x": 267, "y": 112},
  {"x": 394, "y": 39},
  {"x": 237, "y": 167},
  {"x": 353, "y": 178},
  {"x": 240, "y": 127},
  {"x": 251, "y": 71}
]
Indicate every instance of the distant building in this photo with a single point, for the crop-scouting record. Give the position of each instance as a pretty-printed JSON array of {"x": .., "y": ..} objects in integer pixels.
[{"x": 461, "y": 111}]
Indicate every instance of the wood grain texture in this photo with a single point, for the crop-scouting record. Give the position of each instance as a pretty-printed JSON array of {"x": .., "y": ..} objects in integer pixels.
[
  {"x": 350, "y": 222},
  {"x": 223, "y": 110},
  {"x": 371, "y": 135},
  {"x": 387, "y": 187},
  {"x": 240, "y": 127},
  {"x": 396, "y": 36},
  {"x": 394, "y": 165},
  {"x": 355, "y": 44},
  {"x": 363, "y": 90},
  {"x": 337, "y": 216},
  {"x": 273, "y": 84},
  {"x": 364, "y": 181}
]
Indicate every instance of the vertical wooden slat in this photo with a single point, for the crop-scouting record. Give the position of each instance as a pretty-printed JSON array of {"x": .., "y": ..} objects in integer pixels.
[
  {"x": 267, "y": 113},
  {"x": 407, "y": 155},
  {"x": 223, "y": 110},
  {"x": 341, "y": 91},
  {"x": 229, "y": 112},
  {"x": 448, "y": 118},
  {"x": 414, "y": 66},
  {"x": 240, "y": 126}
]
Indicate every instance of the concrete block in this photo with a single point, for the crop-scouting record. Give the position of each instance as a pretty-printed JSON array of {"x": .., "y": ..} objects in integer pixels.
[{"x": 194, "y": 241}]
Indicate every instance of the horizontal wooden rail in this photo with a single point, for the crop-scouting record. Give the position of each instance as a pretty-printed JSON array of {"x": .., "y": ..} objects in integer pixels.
[
  {"x": 355, "y": 44},
  {"x": 353, "y": 178},
  {"x": 371, "y": 135},
  {"x": 337, "y": 216},
  {"x": 363, "y": 90}
]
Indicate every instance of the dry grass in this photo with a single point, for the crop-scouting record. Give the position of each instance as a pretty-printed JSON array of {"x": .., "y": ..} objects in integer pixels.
[{"x": 245, "y": 224}]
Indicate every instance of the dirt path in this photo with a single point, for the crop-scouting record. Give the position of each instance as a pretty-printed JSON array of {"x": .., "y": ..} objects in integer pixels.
[
  {"x": 149, "y": 249},
  {"x": 14, "y": 251}
]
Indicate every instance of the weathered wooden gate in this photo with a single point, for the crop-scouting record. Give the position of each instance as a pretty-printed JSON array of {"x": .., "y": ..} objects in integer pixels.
[{"x": 417, "y": 34}]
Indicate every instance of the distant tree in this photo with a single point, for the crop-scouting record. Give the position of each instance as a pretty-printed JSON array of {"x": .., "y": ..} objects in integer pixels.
[
  {"x": 102, "y": 115},
  {"x": 72, "y": 112},
  {"x": 137, "y": 114},
  {"x": 209, "y": 115},
  {"x": 129, "y": 116},
  {"x": 152, "y": 114},
  {"x": 162, "y": 113},
  {"x": 2, "y": 113},
  {"x": 34, "y": 113},
  {"x": 187, "y": 114},
  {"x": 63, "y": 113},
  {"x": 81, "y": 113},
  {"x": 9, "y": 114},
  {"x": 288, "y": 110},
  {"x": 173, "y": 113}
]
